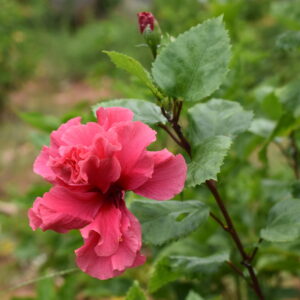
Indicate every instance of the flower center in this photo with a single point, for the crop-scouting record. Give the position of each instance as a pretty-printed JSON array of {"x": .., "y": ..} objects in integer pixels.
[{"x": 115, "y": 195}]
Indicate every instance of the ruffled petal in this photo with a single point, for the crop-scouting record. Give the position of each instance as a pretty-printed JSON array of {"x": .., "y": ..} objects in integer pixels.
[
  {"x": 100, "y": 172},
  {"x": 134, "y": 138},
  {"x": 41, "y": 165},
  {"x": 55, "y": 137},
  {"x": 88, "y": 261},
  {"x": 107, "y": 117},
  {"x": 139, "y": 173},
  {"x": 168, "y": 176},
  {"x": 128, "y": 254},
  {"x": 82, "y": 134},
  {"x": 62, "y": 209},
  {"x": 107, "y": 226},
  {"x": 112, "y": 243}
]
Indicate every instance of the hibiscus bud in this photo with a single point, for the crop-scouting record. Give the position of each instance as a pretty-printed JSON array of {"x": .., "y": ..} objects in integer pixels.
[
  {"x": 150, "y": 30},
  {"x": 146, "y": 19}
]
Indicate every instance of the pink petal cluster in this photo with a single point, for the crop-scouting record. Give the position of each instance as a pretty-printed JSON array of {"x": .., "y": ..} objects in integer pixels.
[{"x": 91, "y": 166}]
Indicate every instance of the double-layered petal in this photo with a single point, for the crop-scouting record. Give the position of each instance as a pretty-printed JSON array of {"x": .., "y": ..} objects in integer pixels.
[{"x": 92, "y": 166}]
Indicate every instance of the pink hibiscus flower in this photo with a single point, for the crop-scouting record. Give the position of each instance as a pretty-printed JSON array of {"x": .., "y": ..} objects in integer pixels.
[{"x": 91, "y": 167}]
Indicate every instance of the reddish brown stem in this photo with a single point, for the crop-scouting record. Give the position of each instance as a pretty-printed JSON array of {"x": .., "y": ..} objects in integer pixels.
[
  {"x": 255, "y": 250},
  {"x": 238, "y": 271},
  {"x": 211, "y": 184},
  {"x": 212, "y": 215}
]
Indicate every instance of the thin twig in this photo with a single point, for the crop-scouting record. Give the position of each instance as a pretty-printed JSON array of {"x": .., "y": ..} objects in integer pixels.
[
  {"x": 235, "y": 237},
  {"x": 252, "y": 256},
  {"x": 51, "y": 275},
  {"x": 212, "y": 215},
  {"x": 165, "y": 128},
  {"x": 238, "y": 271}
]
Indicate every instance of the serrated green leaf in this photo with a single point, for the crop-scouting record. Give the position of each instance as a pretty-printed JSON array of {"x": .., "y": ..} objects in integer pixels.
[
  {"x": 207, "y": 160},
  {"x": 195, "y": 264},
  {"x": 135, "y": 293},
  {"x": 144, "y": 111},
  {"x": 262, "y": 127},
  {"x": 133, "y": 67},
  {"x": 195, "y": 64},
  {"x": 289, "y": 96},
  {"x": 168, "y": 220},
  {"x": 162, "y": 274},
  {"x": 283, "y": 223},
  {"x": 193, "y": 296},
  {"x": 218, "y": 117}
]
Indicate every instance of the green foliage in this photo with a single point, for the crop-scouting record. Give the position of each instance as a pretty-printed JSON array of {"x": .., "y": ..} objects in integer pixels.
[
  {"x": 170, "y": 268},
  {"x": 283, "y": 222},
  {"x": 144, "y": 111},
  {"x": 40, "y": 121},
  {"x": 217, "y": 117},
  {"x": 195, "y": 64},
  {"x": 135, "y": 293},
  {"x": 133, "y": 67},
  {"x": 289, "y": 40},
  {"x": 168, "y": 220},
  {"x": 199, "y": 265},
  {"x": 162, "y": 274},
  {"x": 289, "y": 96},
  {"x": 286, "y": 124},
  {"x": 207, "y": 159},
  {"x": 262, "y": 78},
  {"x": 193, "y": 296},
  {"x": 262, "y": 127},
  {"x": 46, "y": 289}
]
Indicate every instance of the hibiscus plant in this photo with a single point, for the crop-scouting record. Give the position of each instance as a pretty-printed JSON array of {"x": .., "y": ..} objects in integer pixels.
[{"x": 94, "y": 166}]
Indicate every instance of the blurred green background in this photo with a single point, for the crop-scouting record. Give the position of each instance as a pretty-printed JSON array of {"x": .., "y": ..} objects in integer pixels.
[{"x": 52, "y": 68}]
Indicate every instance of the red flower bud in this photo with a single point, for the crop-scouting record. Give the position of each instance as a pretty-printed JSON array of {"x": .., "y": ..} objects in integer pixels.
[{"x": 145, "y": 19}]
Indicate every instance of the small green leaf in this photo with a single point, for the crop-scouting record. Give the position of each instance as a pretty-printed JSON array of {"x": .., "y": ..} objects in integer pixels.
[
  {"x": 218, "y": 117},
  {"x": 262, "y": 127},
  {"x": 196, "y": 63},
  {"x": 144, "y": 111},
  {"x": 289, "y": 96},
  {"x": 207, "y": 160},
  {"x": 43, "y": 122},
  {"x": 195, "y": 264},
  {"x": 286, "y": 124},
  {"x": 289, "y": 40},
  {"x": 135, "y": 293},
  {"x": 46, "y": 289},
  {"x": 168, "y": 220},
  {"x": 133, "y": 67},
  {"x": 283, "y": 223},
  {"x": 193, "y": 296},
  {"x": 162, "y": 274}
]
